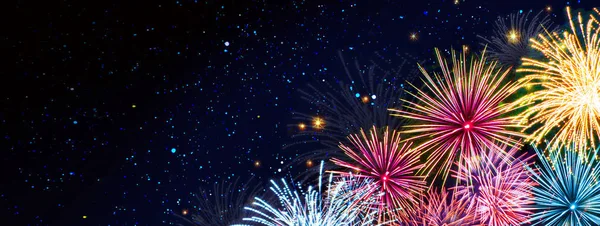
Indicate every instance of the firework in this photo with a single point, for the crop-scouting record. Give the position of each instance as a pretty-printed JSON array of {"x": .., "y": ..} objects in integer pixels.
[
  {"x": 219, "y": 205},
  {"x": 500, "y": 185},
  {"x": 341, "y": 203},
  {"x": 510, "y": 40},
  {"x": 460, "y": 112},
  {"x": 342, "y": 105},
  {"x": 568, "y": 192},
  {"x": 568, "y": 104},
  {"x": 390, "y": 163},
  {"x": 441, "y": 208}
]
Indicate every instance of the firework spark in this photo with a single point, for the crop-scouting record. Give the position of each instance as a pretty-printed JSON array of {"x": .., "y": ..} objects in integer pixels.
[
  {"x": 443, "y": 209},
  {"x": 462, "y": 112},
  {"x": 219, "y": 206},
  {"x": 500, "y": 185},
  {"x": 568, "y": 104},
  {"x": 390, "y": 163},
  {"x": 510, "y": 41},
  {"x": 568, "y": 192},
  {"x": 341, "y": 203}
]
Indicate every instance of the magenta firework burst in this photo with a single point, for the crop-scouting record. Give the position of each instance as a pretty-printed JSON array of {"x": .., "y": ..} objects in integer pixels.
[
  {"x": 459, "y": 112},
  {"x": 390, "y": 163}
]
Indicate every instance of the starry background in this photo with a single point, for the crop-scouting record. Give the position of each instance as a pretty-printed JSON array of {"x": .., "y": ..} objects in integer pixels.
[{"x": 115, "y": 112}]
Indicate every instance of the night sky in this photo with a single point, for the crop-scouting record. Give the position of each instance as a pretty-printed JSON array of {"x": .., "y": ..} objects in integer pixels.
[{"x": 116, "y": 112}]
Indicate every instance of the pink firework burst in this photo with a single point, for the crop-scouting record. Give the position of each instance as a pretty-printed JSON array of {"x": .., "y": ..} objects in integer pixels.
[
  {"x": 440, "y": 208},
  {"x": 391, "y": 164},
  {"x": 459, "y": 112},
  {"x": 500, "y": 184}
]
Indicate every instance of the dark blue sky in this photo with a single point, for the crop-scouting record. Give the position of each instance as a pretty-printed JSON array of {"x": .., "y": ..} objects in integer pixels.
[{"x": 117, "y": 111}]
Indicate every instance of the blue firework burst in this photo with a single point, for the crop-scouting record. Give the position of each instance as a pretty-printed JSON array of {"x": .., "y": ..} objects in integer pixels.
[{"x": 568, "y": 192}]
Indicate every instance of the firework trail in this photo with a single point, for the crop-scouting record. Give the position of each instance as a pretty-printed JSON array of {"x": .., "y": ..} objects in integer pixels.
[
  {"x": 220, "y": 205},
  {"x": 459, "y": 112},
  {"x": 344, "y": 105},
  {"x": 510, "y": 40}
]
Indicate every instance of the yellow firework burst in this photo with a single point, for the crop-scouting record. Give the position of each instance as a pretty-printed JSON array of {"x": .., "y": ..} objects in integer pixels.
[{"x": 567, "y": 107}]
